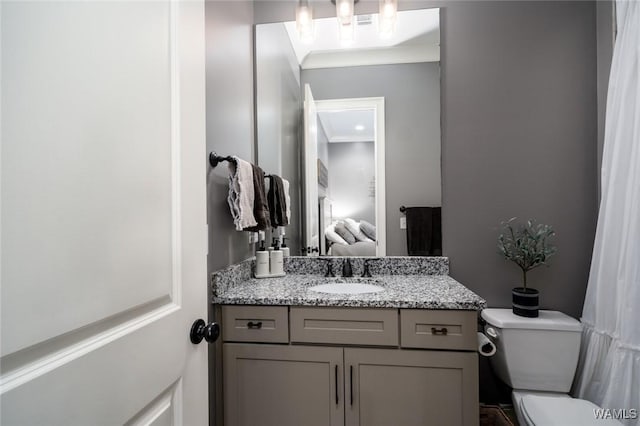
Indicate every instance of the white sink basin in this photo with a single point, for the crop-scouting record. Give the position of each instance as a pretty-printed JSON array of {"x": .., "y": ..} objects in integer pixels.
[{"x": 346, "y": 288}]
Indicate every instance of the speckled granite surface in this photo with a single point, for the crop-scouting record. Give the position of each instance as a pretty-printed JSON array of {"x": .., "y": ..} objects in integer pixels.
[
  {"x": 408, "y": 283},
  {"x": 392, "y": 265}
]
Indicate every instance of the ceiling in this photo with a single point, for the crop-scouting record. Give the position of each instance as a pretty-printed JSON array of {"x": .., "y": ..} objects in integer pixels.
[
  {"x": 416, "y": 39},
  {"x": 348, "y": 126}
]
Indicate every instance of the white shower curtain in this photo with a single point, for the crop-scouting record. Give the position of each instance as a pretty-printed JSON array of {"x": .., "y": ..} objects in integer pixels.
[{"x": 609, "y": 371}]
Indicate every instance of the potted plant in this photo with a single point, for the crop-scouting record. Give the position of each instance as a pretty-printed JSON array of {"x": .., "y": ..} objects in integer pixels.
[{"x": 527, "y": 246}]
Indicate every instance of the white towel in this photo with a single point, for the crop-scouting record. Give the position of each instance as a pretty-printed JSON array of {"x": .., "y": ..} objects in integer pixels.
[
  {"x": 287, "y": 199},
  {"x": 241, "y": 194}
]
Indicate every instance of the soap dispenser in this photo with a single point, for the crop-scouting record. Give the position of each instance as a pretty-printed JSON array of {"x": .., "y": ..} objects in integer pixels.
[
  {"x": 284, "y": 248},
  {"x": 275, "y": 260},
  {"x": 262, "y": 261}
]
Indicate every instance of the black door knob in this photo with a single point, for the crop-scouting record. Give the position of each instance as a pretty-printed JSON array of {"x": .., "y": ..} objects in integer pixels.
[{"x": 201, "y": 330}]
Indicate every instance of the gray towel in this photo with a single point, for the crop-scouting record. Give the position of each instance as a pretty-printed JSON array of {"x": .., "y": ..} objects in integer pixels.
[
  {"x": 260, "y": 207},
  {"x": 424, "y": 231},
  {"x": 277, "y": 202}
]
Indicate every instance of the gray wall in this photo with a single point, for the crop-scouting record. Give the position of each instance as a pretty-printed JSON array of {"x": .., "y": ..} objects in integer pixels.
[
  {"x": 519, "y": 129},
  {"x": 278, "y": 112},
  {"x": 351, "y": 177},
  {"x": 412, "y": 126},
  {"x": 229, "y": 79},
  {"x": 230, "y": 106}
]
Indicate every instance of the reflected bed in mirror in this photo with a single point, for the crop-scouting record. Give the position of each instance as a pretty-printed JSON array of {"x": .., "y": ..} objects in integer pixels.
[{"x": 340, "y": 172}]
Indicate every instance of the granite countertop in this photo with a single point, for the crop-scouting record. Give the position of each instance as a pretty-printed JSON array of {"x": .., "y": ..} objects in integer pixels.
[{"x": 401, "y": 291}]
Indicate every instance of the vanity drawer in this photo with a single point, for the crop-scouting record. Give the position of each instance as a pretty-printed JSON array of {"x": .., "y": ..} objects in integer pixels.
[
  {"x": 344, "y": 326},
  {"x": 255, "y": 324},
  {"x": 438, "y": 329}
]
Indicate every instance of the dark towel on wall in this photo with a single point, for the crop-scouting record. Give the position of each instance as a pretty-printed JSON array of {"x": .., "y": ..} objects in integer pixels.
[
  {"x": 277, "y": 202},
  {"x": 260, "y": 206},
  {"x": 424, "y": 231}
]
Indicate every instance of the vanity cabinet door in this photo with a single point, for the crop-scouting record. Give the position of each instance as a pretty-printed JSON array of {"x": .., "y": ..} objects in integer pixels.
[
  {"x": 270, "y": 385},
  {"x": 410, "y": 388}
]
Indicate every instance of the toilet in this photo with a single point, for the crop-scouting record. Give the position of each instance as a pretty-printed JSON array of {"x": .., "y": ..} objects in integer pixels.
[{"x": 537, "y": 358}]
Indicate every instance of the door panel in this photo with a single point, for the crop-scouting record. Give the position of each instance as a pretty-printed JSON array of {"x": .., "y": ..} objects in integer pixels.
[
  {"x": 270, "y": 385},
  {"x": 410, "y": 388},
  {"x": 103, "y": 212}
]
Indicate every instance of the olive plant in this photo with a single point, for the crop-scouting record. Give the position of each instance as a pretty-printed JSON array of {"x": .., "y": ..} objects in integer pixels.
[{"x": 526, "y": 245}]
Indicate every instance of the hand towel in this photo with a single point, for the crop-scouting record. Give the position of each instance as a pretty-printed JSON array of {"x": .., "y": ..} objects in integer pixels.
[
  {"x": 424, "y": 231},
  {"x": 287, "y": 199},
  {"x": 276, "y": 200},
  {"x": 260, "y": 207},
  {"x": 241, "y": 193}
]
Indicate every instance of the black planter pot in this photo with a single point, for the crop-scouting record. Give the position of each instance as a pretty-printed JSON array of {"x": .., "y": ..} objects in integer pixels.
[{"x": 525, "y": 301}]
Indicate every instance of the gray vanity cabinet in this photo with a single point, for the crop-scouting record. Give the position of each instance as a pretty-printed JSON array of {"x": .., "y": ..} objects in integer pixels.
[
  {"x": 342, "y": 379},
  {"x": 270, "y": 385},
  {"x": 410, "y": 388}
]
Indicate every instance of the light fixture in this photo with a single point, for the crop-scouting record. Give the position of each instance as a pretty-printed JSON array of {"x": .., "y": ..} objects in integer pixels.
[
  {"x": 304, "y": 21},
  {"x": 359, "y": 127},
  {"x": 344, "y": 15},
  {"x": 387, "y": 18},
  {"x": 345, "y": 19},
  {"x": 344, "y": 11}
]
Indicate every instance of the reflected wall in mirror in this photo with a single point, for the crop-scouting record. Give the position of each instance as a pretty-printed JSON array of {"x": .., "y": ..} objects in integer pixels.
[{"x": 404, "y": 71}]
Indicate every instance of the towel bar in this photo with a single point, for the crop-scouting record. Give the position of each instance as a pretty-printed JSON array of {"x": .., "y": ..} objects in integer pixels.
[{"x": 215, "y": 159}]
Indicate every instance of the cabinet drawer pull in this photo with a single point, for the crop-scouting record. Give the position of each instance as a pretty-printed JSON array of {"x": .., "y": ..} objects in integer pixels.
[
  {"x": 256, "y": 325},
  {"x": 439, "y": 331},
  {"x": 336, "y": 377},
  {"x": 351, "y": 384}
]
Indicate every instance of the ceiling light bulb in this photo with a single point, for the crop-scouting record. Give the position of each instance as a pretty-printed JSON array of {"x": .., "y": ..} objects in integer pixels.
[
  {"x": 359, "y": 127},
  {"x": 344, "y": 11},
  {"x": 304, "y": 23},
  {"x": 388, "y": 10},
  {"x": 387, "y": 18}
]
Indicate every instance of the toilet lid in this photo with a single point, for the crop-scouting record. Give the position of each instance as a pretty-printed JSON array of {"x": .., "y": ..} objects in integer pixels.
[{"x": 549, "y": 411}]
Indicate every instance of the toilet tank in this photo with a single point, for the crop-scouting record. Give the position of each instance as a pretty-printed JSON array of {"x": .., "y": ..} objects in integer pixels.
[{"x": 534, "y": 353}]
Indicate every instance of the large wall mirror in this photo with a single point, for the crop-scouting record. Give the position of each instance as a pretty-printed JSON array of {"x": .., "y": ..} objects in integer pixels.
[{"x": 355, "y": 128}]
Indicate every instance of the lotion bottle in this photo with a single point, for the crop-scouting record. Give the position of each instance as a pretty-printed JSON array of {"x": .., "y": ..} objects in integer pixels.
[
  {"x": 262, "y": 261},
  {"x": 285, "y": 250},
  {"x": 275, "y": 260}
]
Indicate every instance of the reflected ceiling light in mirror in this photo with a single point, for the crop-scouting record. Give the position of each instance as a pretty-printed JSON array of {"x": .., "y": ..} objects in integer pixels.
[
  {"x": 344, "y": 16},
  {"x": 344, "y": 11},
  {"x": 304, "y": 22},
  {"x": 359, "y": 127},
  {"x": 387, "y": 18}
]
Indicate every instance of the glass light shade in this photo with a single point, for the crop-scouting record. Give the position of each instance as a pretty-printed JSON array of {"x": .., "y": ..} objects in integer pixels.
[
  {"x": 304, "y": 23},
  {"x": 387, "y": 18},
  {"x": 344, "y": 11}
]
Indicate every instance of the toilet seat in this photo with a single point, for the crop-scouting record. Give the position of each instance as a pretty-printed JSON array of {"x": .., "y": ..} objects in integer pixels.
[{"x": 540, "y": 410}]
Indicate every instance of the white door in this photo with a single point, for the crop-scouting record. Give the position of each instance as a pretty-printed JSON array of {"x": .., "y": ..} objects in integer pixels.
[
  {"x": 103, "y": 234},
  {"x": 311, "y": 220}
]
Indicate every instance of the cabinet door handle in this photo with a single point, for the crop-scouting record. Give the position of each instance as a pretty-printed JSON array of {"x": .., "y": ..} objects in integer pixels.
[
  {"x": 351, "y": 384},
  {"x": 257, "y": 325},
  {"x": 336, "y": 377},
  {"x": 439, "y": 331}
]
